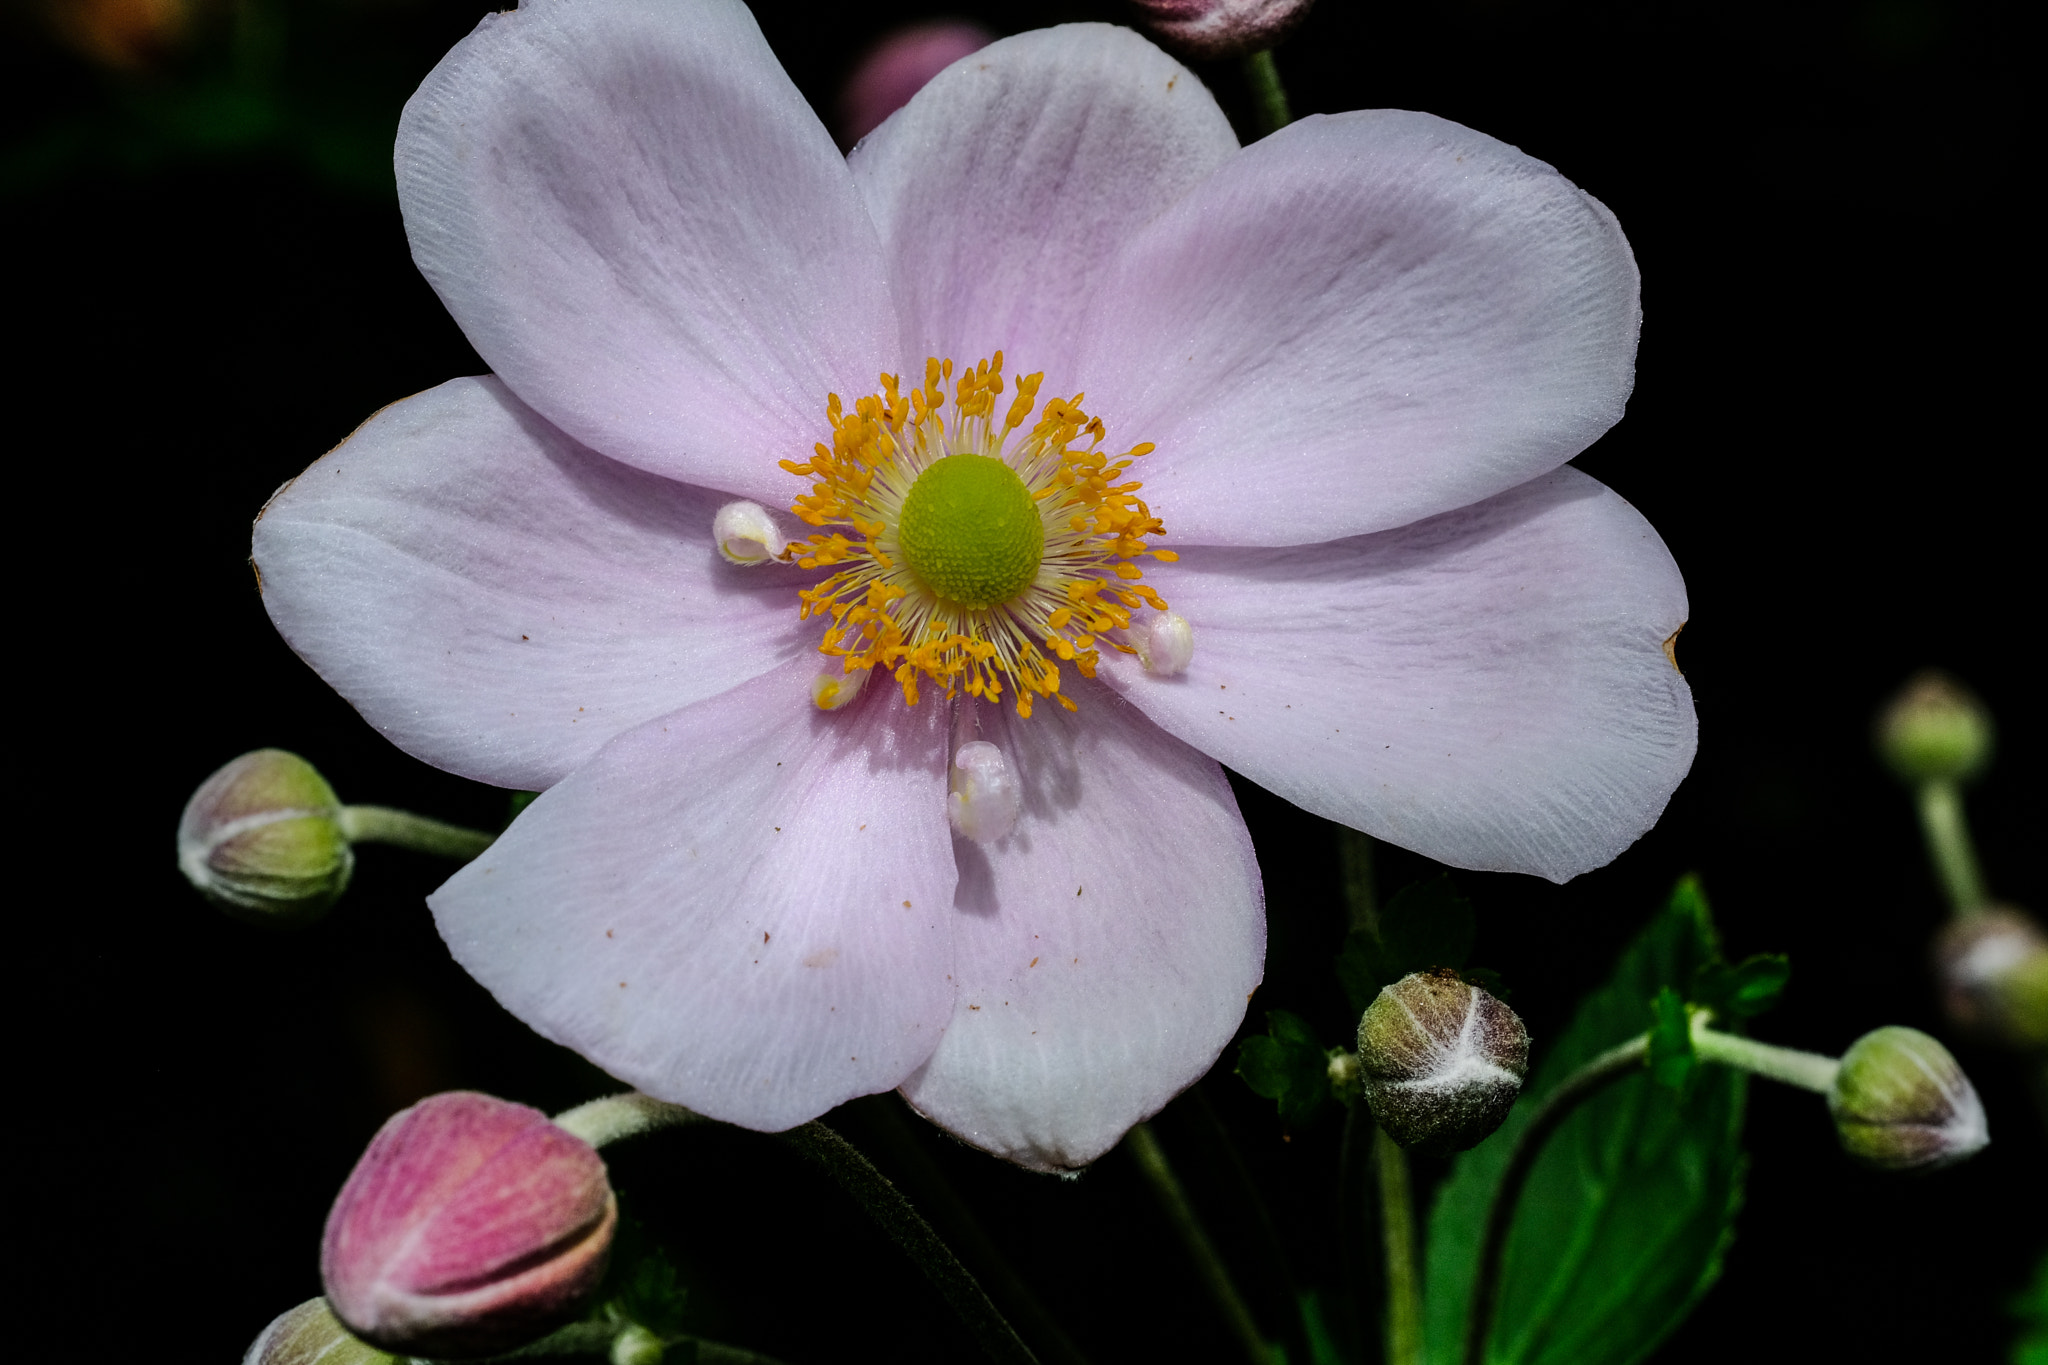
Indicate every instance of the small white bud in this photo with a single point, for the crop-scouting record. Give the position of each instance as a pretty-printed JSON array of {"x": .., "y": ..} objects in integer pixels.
[
  {"x": 1164, "y": 641},
  {"x": 836, "y": 689},
  {"x": 747, "y": 535},
  {"x": 984, "y": 800}
]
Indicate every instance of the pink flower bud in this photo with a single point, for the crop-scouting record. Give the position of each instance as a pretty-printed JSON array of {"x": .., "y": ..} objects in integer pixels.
[
  {"x": 471, "y": 1225},
  {"x": 1221, "y": 28},
  {"x": 898, "y": 67}
]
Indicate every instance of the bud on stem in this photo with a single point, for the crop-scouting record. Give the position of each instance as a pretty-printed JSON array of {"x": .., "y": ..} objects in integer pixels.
[{"x": 1442, "y": 1061}]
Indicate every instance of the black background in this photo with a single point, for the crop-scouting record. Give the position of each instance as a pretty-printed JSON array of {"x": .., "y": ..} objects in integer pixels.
[{"x": 1822, "y": 200}]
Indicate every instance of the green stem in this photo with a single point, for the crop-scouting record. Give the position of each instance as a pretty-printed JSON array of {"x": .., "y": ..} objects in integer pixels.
[
  {"x": 1269, "y": 97},
  {"x": 1588, "y": 1081},
  {"x": 1397, "y": 1235},
  {"x": 1807, "y": 1070},
  {"x": 1166, "y": 1187},
  {"x": 623, "y": 1116},
  {"x": 594, "y": 1339},
  {"x": 1352, "y": 1154},
  {"x": 1948, "y": 845},
  {"x": 885, "y": 1204},
  {"x": 383, "y": 825}
]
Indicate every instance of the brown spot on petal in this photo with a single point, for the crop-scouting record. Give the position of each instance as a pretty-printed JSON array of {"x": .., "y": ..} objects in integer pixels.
[{"x": 1671, "y": 649}]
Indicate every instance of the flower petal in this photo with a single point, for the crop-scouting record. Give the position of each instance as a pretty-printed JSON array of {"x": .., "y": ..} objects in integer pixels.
[
  {"x": 499, "y": 601},
  {"x": 741, "y": 907},
  {"x": 1104, "y": 950},
  {"x": 1359, "y": 322},
  {"x": 1490, "y": 688},
  {"x": 1005, "y": 187},
  {"x": 645, "y": 232}
]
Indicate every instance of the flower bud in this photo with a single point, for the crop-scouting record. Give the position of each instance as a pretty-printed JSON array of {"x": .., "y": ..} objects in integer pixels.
[
  {"x": 311, "y": 1335},
  {"x": 1935, "y": 731},
  {"x": 262, "y": 839},
  {"x": 1993, "y": 971},
  {"x": 1443, "y": 1061},
  {"x": 1900, "y": 1101},
  {"x": 471, "y": 1225},
  {"x": 898, "y": 68},
  {"x": 1221, "y": 28}
]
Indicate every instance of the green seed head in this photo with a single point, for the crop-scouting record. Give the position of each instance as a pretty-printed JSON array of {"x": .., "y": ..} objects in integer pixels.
[{"x": 970, "y": 531}]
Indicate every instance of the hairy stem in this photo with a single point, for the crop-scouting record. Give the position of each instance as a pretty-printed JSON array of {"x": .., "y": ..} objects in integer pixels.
[
  {"x": 885, "y": 1204},
  {"x": 1397, "y": 1238},
  {"x": 1269, "y": 97},
  {"x": 403, "y": 829},
  {"x": 1807, "y": 1070},
  {"x": 1166, "y": 1187},
  {"x": 1948, "y": 845},
  {"x": 1588, "y": 1081}
]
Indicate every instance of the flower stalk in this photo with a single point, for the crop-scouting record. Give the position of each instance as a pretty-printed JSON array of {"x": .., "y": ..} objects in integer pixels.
[
  {"x": 403, "y": 829},
  {"x": 1397, "y": 1234},
  {"x": 1269, "y": 96},
  {"x": 1173, "y": 1199},
  {"x": 1949, "y": 847}
]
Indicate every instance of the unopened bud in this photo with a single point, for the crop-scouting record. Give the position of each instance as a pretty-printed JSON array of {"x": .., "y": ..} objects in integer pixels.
[
  {"x": 1935, "y": 731},
  {"x": 1993, "y": 970},
  {"x": 898, "y": 67},
  {"x": 1442, "y": 1060},
  {"x": 1222, "y": 28},
  {"x": 471, "y": 1225},
  {"x": 262, "y": 839},
  {"x": 637, "y": 1346},
  {"x": 1900, "y": 1101},
  {"x": 1164, "y": 640},
  {"x": 984, "y": 799},
  {"x": 746, "y": 535},
  {"x": 311, "y": 1335}
]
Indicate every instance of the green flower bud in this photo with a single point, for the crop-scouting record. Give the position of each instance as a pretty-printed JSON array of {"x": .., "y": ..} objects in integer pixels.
[
  {"x": 637, "y": 1346},
  {"x": 1442, "y": 1061},
  {"x": 1993, "y": 970},
  {"x": 1935, "y": 731},
  {"x": 1900, "y": 1102},
  {"x": 262, "y": 839},
  {"x": 311, "y": 1335}
]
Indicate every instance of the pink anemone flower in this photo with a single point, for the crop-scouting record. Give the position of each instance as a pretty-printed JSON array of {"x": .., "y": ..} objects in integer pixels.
[{"x": 1346, "y": 364}]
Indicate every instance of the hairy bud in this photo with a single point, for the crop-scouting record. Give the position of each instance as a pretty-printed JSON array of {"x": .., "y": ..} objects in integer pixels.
[
  {"x": 1993, "y": 970},
  {"x": 1935, "y": 731},
  {"x": 262, "y": 839},
  {"x": 1900, "y": 1102},
  {"x": 1221, "y": 28},
  {"x": 311, "y": 1335},
  {"x": 1442, "y": 1061},
  {"x": 470, "y": 1226}
]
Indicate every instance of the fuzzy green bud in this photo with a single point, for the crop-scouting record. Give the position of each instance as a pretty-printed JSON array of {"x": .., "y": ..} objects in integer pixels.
[
  {"x": 1900, "y": 1102},
  {"x": 311, "y": 1335},
  {"x": 263, "y": 840},
  {"x": 1441, "y": 1061},
  {"x": 1993, "y": 971},
  {"x": 1934, "y": 730}
]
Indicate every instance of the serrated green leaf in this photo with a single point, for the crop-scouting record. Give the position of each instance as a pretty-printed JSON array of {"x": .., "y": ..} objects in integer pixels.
[
  {"x": 1744, "y": 990},
  {"x": 1427, "y": 924},
  {"x": 1629, "y": 1209},
  {"x": 1287, "y": 1065},
  {"x": 1671, "y": 1059}
]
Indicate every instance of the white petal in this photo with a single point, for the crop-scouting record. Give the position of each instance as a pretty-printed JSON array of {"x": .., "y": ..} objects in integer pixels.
[
  {"x": 741, "y": 907},
  {"x": 1105, "y": 950},
  {"x": 1489, "y": 688},
  {"x": 645, "y": 232},
  {"x": 499, "y": 601},
  {"x": 1006, "y": 186},
  {"x": 1358, "y": 322}
]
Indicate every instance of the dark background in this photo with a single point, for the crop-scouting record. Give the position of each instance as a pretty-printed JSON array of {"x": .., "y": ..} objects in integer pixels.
[{"x": 210, "y": 284}]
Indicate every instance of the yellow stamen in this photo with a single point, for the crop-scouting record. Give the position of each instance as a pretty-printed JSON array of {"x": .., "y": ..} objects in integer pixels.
[{"x": 884, "y": 615}]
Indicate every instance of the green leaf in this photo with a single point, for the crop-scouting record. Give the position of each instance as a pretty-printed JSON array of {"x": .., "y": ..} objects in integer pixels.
[
  {"x": 1287, "y": 1065},
  {"x": 1630, "y": 1207},
  {"x": 1427, "y": 924},
  {"x": 1671, "y": 1057},
  {"x": 1742, "y": 991}
]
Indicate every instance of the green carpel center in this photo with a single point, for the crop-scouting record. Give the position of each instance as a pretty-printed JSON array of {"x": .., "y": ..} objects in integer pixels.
[{"x": 970, "y": 531}]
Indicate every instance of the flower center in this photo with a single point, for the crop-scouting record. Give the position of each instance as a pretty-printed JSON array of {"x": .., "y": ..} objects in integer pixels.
[
  {"x": 972, "y": 547},
  {"x": 971, "y": 532}
]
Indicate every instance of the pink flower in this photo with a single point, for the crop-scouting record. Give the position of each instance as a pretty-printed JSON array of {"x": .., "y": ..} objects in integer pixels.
[
  {"x": 897, "y": 68},
  {"x": 1363, "y": 349},
  {"x": 1222, "y": 28}
]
